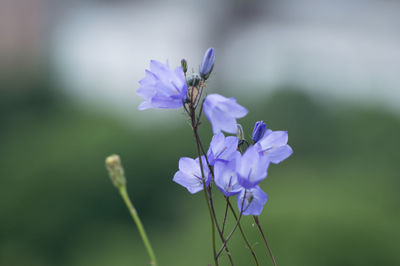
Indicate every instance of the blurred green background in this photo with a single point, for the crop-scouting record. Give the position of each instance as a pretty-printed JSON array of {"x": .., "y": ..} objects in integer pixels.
[{"x": 335, "y": 201}]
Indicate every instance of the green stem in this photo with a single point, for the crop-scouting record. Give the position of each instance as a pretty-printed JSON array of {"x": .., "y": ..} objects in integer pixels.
[
  {"x": 207, "y": 200},
  {"x": 136, "y": 219},
  {"x": 242, "y": 232},
  {"x": 265, "y": 239}
]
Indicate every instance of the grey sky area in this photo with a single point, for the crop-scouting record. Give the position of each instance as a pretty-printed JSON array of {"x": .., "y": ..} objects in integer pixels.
[{"x": 342, "y": 49}]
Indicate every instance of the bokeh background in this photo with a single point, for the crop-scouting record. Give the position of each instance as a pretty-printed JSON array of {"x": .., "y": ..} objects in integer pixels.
[{"x": 326, "y": 71}]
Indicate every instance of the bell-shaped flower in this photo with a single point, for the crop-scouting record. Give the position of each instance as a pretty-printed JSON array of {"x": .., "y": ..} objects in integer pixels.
[
  {"x": 222, "y": 113},
  {"x": 162, "y": 87},
  {"x": 222, "y": 148},
  {"x": 251, "y": 201},
  {"x": 274, "y": 147},
  {"x": 251, "y": 168},
  {"x": 189, "y": 174},
  {"x": 225, "y": 176}
]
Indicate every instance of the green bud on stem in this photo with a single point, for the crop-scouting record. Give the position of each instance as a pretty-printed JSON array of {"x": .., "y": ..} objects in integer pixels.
[{"x": 115, "y": 170}]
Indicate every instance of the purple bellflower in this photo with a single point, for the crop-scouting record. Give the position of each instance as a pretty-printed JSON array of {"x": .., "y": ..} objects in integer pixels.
[
  {"x": 258, "y": 131},
  {"x": 189, "y": 174},
  {"x": 162, "y": 87},
  {"x": 207, "y": 64},
  {"x": 222, "y": 148},
  {"x": 252, "y": 200},
  {"x": 274, "y": 146},
  {"x": 251, "y": 168},
  {"x": 225, "y": 176},
  {"x": 222, "y": 113}
]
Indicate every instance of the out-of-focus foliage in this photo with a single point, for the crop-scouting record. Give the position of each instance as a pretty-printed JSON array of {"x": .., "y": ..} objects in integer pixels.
[{"x": 334, "y": 202}]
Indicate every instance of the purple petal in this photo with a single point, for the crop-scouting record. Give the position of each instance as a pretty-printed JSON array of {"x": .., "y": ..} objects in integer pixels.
[
  {"x": 252, "y": 168},
  {"x": 188, "y": 165},
  {"x": 235, "y": 109},
  {"x": 252, "y": 201},
  {"x": 274, "y": 139},
  {"x": 277, "y": 155},
  {"x": 225, "y": 177},
  {"x": 192, "y": 184},
  {"x": 222, "y": 113},
  {"x": 145, "y": 105},
  {"x": 221, "y": 121}
]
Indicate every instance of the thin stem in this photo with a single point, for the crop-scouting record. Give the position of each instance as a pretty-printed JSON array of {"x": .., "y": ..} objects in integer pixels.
[
  {"x": 207, "y": 192},
  {"x": 265, "y": 239},
  {"x": 242, "y": 232},
  {"x": 236, "y": 225},
  {"x": 209, "y": 209},
  {"x": 230, "y": 235},
  {"x": 224, "y": 241},
  {"x": 194, "y": 127},
  {"x": 225, "y": 215},
  {"x": 136, "y": 219}
]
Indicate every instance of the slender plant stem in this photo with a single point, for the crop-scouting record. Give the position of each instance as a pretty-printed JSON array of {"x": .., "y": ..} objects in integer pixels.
[
  {"x": 265, "y": 239},
  {"x": 136, "y": 219},
  {"x": 236, "y": 225},
  {"x": 229, "y": 236},
  {"x": 225, "y": 215},
  {"x": 242, "y": 232},
  {"x": 200, "y": 145},
  {"x": 224, "y": 241},
  {"x": 194, "y": 127}
]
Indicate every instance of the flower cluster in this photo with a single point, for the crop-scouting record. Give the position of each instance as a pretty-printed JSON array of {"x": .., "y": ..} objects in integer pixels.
[{"x": 236, "y": 171}]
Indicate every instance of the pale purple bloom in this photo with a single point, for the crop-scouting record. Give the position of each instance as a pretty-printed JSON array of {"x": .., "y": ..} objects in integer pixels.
[
  {"x": 258, "y": 131},
  {"x": 222, "y": 113},
  {"x": 252, "y": 200},
  {"x": 162, "y": 87},
  {"x": 225, "y": 176},
  {"x": 189, "y": 174},
  {"x": 274, "y": 146},
  {"x": 207, "y": 64},
  {"x": 251, "y": 168},
  {"x": 222, "y": 148}
]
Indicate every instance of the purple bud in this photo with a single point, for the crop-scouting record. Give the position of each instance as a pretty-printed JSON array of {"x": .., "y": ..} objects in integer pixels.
[
  {"x": 258, "y": 131},
  {"x": 207, "y": 64}
]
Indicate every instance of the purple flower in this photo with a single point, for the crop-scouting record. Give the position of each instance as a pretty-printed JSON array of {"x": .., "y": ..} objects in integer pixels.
[
  {"x": 208, "y": 63},
  {"x": 189, "y": 174},
  {"x": 258, "y": 131},
  {"x": 252, "y": 200},
  {"x": 274, "y": 146},
  {"x": 225, "y": 176},
  {"x": 222, "y": 113},
  {"x": 251, "y": 168},
  {"x": 222, "y": 148},
  {"x": 162, "y": 87}
]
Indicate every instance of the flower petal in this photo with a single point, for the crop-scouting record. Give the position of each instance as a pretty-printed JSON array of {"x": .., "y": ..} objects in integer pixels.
[
  {"x": 274, "y": 139},
  {"x": 252, "y": 201},
  {"x": 192, "y": 184},
  {"x": 277, "y": 155}
]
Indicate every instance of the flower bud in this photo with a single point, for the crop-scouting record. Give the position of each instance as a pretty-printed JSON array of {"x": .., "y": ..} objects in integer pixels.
[
  {"x": 115, "y": 170},
  {"x": 208, "y": 63},
  {"x": 258, "y": 131},
  {"x": 184, "y": 65}
]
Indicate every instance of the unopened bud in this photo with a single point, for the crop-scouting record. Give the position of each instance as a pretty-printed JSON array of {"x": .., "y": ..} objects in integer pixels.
[
  {"x": 258, "y": 131},
  {"x": 115, "y": 170},
  {"x": 184, "y": 65},
  {"x": 207, "y": 64}
]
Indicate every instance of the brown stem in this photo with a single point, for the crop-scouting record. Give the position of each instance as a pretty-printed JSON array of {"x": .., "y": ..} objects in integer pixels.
[{"x": 265, "y": 239}]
